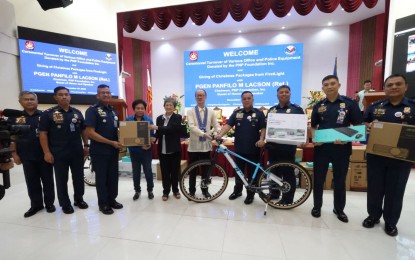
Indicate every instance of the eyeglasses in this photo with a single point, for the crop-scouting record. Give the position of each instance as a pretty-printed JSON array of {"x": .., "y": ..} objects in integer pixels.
[{"x": 104, "y": 93}]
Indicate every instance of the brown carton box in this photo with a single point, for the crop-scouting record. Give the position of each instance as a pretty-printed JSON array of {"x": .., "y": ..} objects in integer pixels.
[
  {"x": 358, "y": 153},
  {"x": 392, "y": 140},
  {"x": 134, "y": 133},
  {"x": 183, "y": 165},
  {"x": 328, "y": 184},
  {"x": 358, "y": 177}
]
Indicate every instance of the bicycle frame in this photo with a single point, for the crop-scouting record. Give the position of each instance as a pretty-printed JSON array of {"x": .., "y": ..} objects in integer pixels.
[{"x": 227, "y": 153}]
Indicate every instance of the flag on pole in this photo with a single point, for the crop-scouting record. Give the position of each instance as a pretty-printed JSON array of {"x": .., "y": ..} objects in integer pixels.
[
  {"x": 335, "y": 67},
  {"x": 149, "y": 94}
]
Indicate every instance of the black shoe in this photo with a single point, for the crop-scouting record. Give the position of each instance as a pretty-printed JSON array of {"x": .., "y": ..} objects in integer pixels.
[
  {"x": 32, "y": 211},
  {"x": 370, "y": 222},
  {"x": 136, "y": 195},
  {"x": 316, "y": 212},
  {"x": 150, "y": 195},
  {"x": 341, "y": 216},
  {"x": 192, "y": 194},
  {"x": 116, "y": 205},
  {"x": 285, "y": 201},
  {"x": 249, "y": 200},
  {"x": 50, "y": 208},
  {"x": 81, "y": 204},
  {"x": 206, "y": 194},
  {"x": 107, "y": 210},
  {"x": 391, "y": 230},
  {"x": 68, "y": 210},
  {"x": 235, "y": 195}
]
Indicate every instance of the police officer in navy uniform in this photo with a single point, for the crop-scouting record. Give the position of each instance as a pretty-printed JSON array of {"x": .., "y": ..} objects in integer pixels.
[
  {"x": 102, "y": 128},
  {"x": 387, "y": 177},
  {"x": 62, "y": 132},
  {"x": 38, "y": 173},
  {"x": 249, "y": 124},
  {"x": 284, "y": 152},
  {"x": 332, "y": 112}
]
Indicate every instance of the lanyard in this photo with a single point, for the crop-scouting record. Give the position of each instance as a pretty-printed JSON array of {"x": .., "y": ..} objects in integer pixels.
[{"x": 202, "y": 125}]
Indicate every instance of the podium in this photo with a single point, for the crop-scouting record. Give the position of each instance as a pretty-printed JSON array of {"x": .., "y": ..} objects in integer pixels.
[
  {"x": 120, "y": 106},
  {"x": 371, "y": 97}
]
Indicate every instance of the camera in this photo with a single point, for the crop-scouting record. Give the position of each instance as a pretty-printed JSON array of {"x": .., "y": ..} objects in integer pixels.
[{"x": 7, "y": 131}]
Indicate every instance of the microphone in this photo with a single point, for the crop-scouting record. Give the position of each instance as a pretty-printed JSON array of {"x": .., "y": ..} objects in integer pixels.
[{"x": 12, "y": 113}]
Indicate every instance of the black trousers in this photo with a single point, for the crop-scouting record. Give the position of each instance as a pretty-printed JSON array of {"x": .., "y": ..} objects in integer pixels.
[
  {"x": 170, "y": 170},
  {"x": 193, "y": 157},
  {"x": 284, "y": 152},
  {"x": 247, "y": 168},
  {"x": 39, "y": 181},
  {"x": 386, "y": 182},
  {"x": 106, "y": 175},
  {"x": 75, "y": 162},
  {"x": 338, "y": 155}
]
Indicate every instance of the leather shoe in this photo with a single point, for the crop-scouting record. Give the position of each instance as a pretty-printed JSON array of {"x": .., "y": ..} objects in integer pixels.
[
  {"x": 249, "y": 200},
  {"x": 341, "y": 216},
  {"x": 50, "y": 208},
  {"x": 206, "y": 194},
  {"x": 81, "y": 204},
  {"x": 107, "y": 210},
  {"x": 316, "y": 212},
  {"x": 136, "y": 195},
  {"x": 370, "y": 222},
  {"x": 68, "y": 210},
  {"x": 32, "y": 211},
  {"x": 116, "y": 205},
  {"x": 235, "y": 195},
  {"x": 391, "y": 230},
  {"x": 150, "y": 195}
]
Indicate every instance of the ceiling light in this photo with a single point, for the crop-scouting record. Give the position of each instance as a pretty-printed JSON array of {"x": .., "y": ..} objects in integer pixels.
[
  {"x": 199, "y": 34},
  {"x": 239, "y": 31},
  {"x": 152, "y": 28},
  {"x": 162, "y": 38},
  {"x": 283, "y": 27},
  {"x": 193, "y": 23},
  {"x": 330, "y": 24},
  {"x": 288, "y": 14}
]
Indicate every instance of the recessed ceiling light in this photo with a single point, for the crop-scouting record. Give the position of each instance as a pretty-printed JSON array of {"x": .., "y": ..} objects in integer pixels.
[
  {"x": 330, "y": 24},
  {"x": 193, "y": 23},
  {"x": 162, "y": 38},
  {"x": 283, "y": 27},
  {"x": 288, "y": 14},
  {"x": 152, "y": 28},
  {"x": 199, "y": 34},
  {"x": 239, "y": 31}
]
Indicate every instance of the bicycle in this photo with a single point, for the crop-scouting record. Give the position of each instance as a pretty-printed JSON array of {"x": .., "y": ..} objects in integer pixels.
[
  {"x": 89, "y": 173},
  {"x": 211, "y": 177}
]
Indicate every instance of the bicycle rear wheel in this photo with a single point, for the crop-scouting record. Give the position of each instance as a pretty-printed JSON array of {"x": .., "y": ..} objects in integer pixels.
[
  {"x": 297, "y": 185},
  {"x": 203, "y": 181},
  {"x": 89, "y": 173}
]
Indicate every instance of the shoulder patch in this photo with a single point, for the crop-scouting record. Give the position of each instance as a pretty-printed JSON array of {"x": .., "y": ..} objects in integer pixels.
[{"x": 378, "y": 102}]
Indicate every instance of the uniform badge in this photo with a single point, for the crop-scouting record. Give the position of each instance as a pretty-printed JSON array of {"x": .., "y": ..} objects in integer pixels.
[
  {"x": 342, "y": 105},
  {"x": 239, "y": 115},
  {"x": 398, "y": 114},
  {"x": 57, "y": 117},
  {"x": 59, "y": 126},
  {"x": 253, "y": 115},
  {"x": 322, "y": 109},
  {"x": 407, "y": 110},
  {"x": 379, "y": 111},
  {"x": 21, "y": 120},
  {"x": 249, "y": 118},
  {"x": 288, "y": 111},
  {"x": 74, "y": 120},
  {"x": 115, "y": 117},
  {"x": 104, "y": 121},
  {"x": 75, "y": 116}
]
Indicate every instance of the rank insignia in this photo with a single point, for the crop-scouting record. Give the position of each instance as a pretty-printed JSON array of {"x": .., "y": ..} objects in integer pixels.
[{"x": 407, "y": 110}]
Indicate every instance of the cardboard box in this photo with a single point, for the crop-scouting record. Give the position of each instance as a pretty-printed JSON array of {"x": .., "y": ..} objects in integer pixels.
[
  {"x": 358, "y": 154},
  {"x": 124, "y": 166},
  {"x": 134, "y": 133},
  {"x": 391, "y": 140},
  {"x": 286, "y": 128},
  {"x": 344, "y": 134},
  {"x": 183, "y": 165},
  {"x": 358, "y": 177},
  {"x": 328, "y": 184}
]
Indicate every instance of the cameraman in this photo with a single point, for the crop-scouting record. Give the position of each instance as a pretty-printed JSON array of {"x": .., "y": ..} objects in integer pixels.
[{"x": 28, "y": 152}]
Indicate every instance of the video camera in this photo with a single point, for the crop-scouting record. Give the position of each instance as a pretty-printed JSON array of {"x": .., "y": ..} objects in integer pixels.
[{"x": 7, "y": 130}]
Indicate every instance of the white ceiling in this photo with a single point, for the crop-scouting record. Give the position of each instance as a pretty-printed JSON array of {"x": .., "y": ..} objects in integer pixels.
[{"x": 270, "y": 23}]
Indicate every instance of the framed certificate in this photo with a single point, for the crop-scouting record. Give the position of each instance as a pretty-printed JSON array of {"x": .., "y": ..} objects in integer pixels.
[{"x": 134, "y": 133}]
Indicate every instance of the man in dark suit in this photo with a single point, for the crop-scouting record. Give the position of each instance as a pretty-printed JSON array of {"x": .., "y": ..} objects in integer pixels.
[{"x": 168, "y": 132}]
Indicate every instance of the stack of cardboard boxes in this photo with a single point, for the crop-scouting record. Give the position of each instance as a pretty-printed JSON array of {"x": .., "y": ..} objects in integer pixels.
[{"x": 358, "y": 175}]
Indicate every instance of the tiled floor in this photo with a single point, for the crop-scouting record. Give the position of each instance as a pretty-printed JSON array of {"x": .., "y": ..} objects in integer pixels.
[{"x": 178, "y": 229}]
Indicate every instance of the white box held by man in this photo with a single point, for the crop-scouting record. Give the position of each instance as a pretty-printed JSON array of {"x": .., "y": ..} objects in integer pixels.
[{"x": 286, "y": 128}]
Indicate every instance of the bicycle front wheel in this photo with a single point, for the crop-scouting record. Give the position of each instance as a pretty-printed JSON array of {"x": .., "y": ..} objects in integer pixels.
[
  {"x": 296, "y": 188},
  {"x": 203, "y": 181}
]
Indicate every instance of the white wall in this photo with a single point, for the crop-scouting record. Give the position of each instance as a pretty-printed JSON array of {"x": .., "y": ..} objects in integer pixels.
[
  {"x": 398, "y": 9},
  {"x": 321, "y": 46}
]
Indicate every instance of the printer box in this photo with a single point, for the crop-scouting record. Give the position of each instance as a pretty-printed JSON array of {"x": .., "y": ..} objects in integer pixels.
[
  {"x": 392, "y": 140},
  {"x": 134, "y": 133},
  {"x": 345, "y": 134},
  {"x": 286, "y": 128}
]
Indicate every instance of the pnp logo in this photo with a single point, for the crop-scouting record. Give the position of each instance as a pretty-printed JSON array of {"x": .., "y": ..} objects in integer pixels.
[
  {"x": 29, "y": 45},
  {"x": 193, "y": 56},
  {"x": 290, "y": 50}
]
